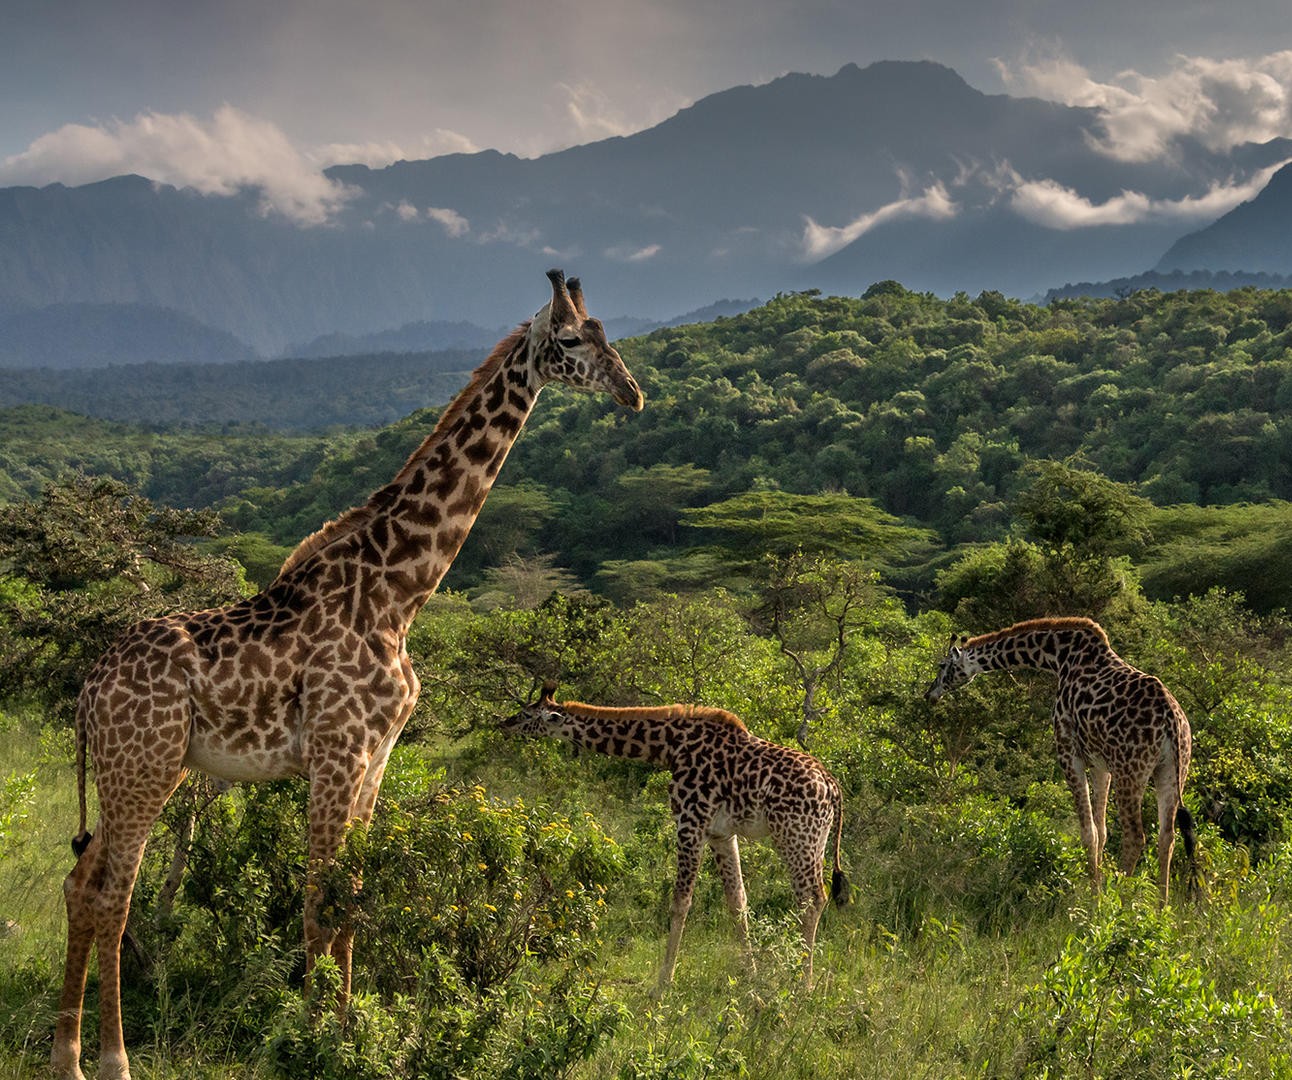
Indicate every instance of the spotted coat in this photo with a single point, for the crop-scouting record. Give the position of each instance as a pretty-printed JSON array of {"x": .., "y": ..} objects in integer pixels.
[
  {"x": 310, "y": 677},
  {"x": 1114, "y": 726},
  {"x": 725, "y": 783}
]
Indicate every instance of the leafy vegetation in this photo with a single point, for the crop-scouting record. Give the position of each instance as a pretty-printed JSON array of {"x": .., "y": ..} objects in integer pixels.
[{"x": 511, "y": 896}]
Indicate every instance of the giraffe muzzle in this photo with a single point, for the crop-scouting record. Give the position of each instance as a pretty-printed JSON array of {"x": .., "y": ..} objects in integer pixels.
[{"x": 629, "y": 393}]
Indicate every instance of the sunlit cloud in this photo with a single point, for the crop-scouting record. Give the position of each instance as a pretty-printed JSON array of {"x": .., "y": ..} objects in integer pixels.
[
  {"x": 377, "y": 155},
  {"x": 1221, "y": 103},
  {"x": 822, "y": 240},
  {"x": 628, "y": 253},
  {"x": 1049, "y": 203},
  {"x": 453, "y": 223},
  {"x": 591, "y": 114},
  {"x": 231, "y": 152}
]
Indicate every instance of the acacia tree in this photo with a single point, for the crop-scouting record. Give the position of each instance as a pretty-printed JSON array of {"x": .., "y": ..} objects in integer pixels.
[
  {"x": 813, "y": 606},
  {"x": 82, "y": 562}
]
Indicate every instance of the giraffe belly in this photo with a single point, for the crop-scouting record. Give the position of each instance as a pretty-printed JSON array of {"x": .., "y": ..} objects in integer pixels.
[
  {"x": 750, "y": 825},
  {"x": 245, "y": 757}
]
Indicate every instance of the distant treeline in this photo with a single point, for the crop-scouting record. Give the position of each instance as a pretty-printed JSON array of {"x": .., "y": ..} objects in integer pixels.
[{"x": 287, "y": 395}]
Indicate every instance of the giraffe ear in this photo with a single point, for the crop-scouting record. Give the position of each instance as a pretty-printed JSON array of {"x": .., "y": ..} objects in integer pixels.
[
  {"x": 562, "y": 309},
  {"x": 549, "y": 691}
]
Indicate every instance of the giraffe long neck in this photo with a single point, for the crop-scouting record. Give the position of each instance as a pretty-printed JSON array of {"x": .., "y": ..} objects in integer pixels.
[
  {"x": 407, "y": 535},
  {"x": 635, "y": 734},
  {"x": 1046, "y": 647}
]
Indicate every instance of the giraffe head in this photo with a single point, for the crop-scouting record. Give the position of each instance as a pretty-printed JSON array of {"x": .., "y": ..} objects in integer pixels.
[
  {"x": 571, "y": 348},
  {"x": 956, "y": 669},
  {"x": 542, "y": 717}
]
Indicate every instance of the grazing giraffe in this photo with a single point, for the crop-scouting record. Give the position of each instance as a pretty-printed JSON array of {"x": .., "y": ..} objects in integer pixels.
[
  {"x": 726, "y": 782},
  {"x": 1113, "y": 725},
  {"x": 310, "y": 677}
]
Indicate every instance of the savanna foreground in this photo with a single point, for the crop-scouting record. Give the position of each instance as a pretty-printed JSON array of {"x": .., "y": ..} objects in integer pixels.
[{"x": 515, "y": 897}]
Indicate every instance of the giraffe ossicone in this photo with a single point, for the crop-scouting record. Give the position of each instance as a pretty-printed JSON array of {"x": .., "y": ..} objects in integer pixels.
[
  {"x": 725, "y": 783},
  {"x": 1114, "y": 726},
  {"x": 310, "y": 677}
]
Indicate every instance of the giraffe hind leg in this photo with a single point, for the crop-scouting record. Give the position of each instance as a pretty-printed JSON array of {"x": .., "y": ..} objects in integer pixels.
[
  {"x": 726, "y": 853},
  {"x": 79, "y": 891},
  {"x": 1130, "y": 802},
  {"x": 801, "y": 845},
  {"x": 1168, "y": 805}
]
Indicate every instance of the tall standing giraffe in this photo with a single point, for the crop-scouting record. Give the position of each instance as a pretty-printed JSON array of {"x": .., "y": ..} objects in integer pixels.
[
  {"x": 310, "y": 677},
  {"x": 1113, "y": 724},
  {"x": 726, "y": 782}
]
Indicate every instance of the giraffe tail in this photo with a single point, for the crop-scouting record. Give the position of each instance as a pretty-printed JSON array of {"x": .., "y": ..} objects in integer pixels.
[
  {"x": 840, "y": 891},
  {"x": 82, "y": 839},
  {"x": 1184, "y": 823}
]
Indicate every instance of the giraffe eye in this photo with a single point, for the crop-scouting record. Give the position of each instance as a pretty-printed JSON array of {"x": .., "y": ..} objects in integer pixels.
[{"x": 568, "y": 342}]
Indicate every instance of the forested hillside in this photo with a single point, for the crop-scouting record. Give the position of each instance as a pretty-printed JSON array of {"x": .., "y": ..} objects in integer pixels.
[
  {"x": 934, "y": 410},
  {"x": 931, "y": 411}
]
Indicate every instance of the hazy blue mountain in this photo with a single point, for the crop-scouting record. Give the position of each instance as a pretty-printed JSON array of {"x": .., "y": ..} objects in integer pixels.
[
  {"x": 419, "y": 336},
  {"x": 714, "y": 201},
  {"x": 1254, "y": 236},
  {"x": 94, "y": 335}
]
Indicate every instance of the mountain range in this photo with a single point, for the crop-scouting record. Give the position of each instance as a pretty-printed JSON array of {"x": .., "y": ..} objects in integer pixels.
[{"x": 898, "y": 170}]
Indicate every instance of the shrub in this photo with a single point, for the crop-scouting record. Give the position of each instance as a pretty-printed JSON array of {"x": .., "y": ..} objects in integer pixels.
[{"x": 1128, "y": 997}]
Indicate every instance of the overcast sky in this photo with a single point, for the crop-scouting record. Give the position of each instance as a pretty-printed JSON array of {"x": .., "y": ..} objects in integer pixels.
[{"x": 218, "y": 93}]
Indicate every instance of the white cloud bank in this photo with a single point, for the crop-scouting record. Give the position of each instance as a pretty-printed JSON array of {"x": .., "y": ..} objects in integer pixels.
[
  {"x": 1043, "y": 202},
  {"x": 1222, "y": 103},
  {"x": 230, "y": 152},
  {"x": 822, "y": 240},
  {"x": 1048, "y": 203}
]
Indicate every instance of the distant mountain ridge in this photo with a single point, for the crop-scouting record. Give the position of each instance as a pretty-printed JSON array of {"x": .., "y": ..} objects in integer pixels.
[
  {"x": 94, "y": 335},
  {"x": 1255, "y": 236},
  {"x": 423, "y": 336},
  {"x": 897, "y": 170}
]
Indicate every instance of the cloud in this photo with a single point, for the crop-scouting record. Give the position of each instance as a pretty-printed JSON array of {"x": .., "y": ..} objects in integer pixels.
[
  {"x": 454, "y": 223},
  {"x": 822, "y": 240},
  {"x": 1222, "y": 103},
  {"x": 1049, "y": 203},
  {"x": 230, "y": 152},
  {"x": 592, "y": 116},
  {"x": 630, "y": 254},
  {"x": 376, "y": 155}
]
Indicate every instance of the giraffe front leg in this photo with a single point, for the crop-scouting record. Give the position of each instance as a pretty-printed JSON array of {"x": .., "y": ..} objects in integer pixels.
[
  {"x": 334, "y": 790},
  {"x": 1074, "y": 772},
  {"x": 690, "y": 845},
  {"x": 726, "y": 853}
]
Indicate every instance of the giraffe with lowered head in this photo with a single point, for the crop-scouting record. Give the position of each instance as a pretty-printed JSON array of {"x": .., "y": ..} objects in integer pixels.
[
  {"x": 1113, "y": 724},
  {"x": 310, "y": 677},
  {"x": 726, "y": 783}
]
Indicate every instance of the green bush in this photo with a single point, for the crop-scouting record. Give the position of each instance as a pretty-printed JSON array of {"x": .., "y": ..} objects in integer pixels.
[{"x": 1129, "y": 995}]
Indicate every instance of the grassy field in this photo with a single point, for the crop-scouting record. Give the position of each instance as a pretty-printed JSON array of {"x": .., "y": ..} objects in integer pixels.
[{"x": 937, "y": 986}]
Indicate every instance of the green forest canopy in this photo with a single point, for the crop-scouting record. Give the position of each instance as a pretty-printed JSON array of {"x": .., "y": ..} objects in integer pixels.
[{"x": 931, "y": 409}]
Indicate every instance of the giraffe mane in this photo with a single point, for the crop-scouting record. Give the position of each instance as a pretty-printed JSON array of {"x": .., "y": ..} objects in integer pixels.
[
  {"x": 1066, "y": 622},
  {"x": 358, "y": 517},
  {"x": 655, "y": 713}
]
